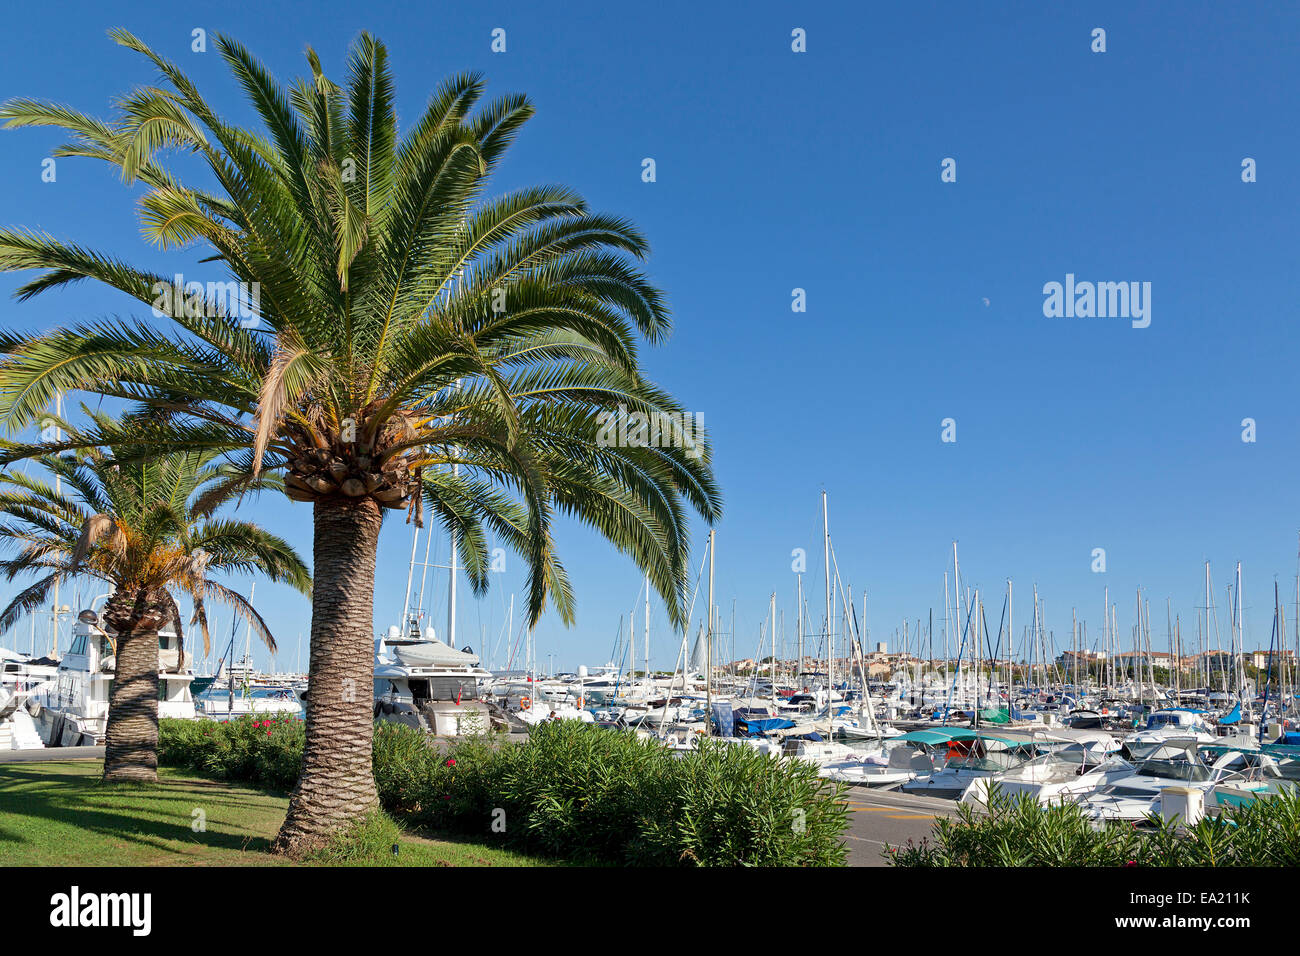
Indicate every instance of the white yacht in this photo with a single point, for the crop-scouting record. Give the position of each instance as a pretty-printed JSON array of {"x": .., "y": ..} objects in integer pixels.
[
  {"x": 218, "y": 702},
  {"x": 422, "y": 682},
  {"x": 1157, "y": 766},
  {"x": 971, "y": 758},
  {"x": 1074, "y": 770},
  {"x": 1165, "y": 725},
  {"x": 888, "y": 767},
  {"x": 72, "y": 709}
]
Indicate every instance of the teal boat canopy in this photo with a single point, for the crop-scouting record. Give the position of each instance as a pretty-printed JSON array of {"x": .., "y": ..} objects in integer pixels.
[{"x": 937, "y": 738}]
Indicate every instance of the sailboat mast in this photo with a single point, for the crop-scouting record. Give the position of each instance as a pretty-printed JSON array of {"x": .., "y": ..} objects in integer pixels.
[
  {"x": 830, "y": 648},
  {"x": 708, "y": 647},
  {"x": 410, "y": 579},
  {"x": 771, "y": 630},
  {"x": 945, "y": 628},
  {"x": 1011, "y": 683},
  {"x": 956, "y": 594},
  {"x": 732, "y": 633},
  {"x": 645, "y": 633},
  {"x": 798, "y": 614},
  {"x": 1241, "y": 640},
  {"x": 1107, "y": 664},
  {"x": 451, "y": 578}
]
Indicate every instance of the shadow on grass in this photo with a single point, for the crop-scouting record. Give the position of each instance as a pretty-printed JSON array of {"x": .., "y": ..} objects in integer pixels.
[
  {"x": 161, "y": 821},
  {"x": 494, "y": 841}
]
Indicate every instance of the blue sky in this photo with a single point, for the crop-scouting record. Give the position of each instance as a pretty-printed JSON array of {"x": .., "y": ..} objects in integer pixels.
[{"x": 820, "y": 170}]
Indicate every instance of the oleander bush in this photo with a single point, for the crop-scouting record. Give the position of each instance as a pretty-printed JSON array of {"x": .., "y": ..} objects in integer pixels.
[
  {"x": 585, "y": 792},
  {"x": 571, "y": 790},
  {"x": 1018, "y": 831},
  {"x": 264, "y": 749}
]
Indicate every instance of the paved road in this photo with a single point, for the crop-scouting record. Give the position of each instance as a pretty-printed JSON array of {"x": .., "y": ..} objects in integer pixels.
[
  {"x": 51, "y": 753},
  {"x": 880, "y": 818}
]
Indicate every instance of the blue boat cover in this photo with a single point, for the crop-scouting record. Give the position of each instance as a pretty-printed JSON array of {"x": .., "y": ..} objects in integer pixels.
[
  {"x": 724, "y": 718},
  {"x": 763, "y": 725},
  {"x": 1233, "y": 716}
]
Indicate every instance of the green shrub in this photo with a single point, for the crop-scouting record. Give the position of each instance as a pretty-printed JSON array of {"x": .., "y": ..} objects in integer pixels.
[
  {"x": 724, "y": 805},
  {"x": 588, "y": 793},
  {"x": 1018, "y": 831},
  {"x": 261, "y": 749},
  {"x": 572, "y": 790},
  {"x": 1265, "y": 832}
]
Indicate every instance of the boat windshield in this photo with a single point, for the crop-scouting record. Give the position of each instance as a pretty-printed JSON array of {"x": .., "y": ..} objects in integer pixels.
[
  {"x": 1074, "y": 755},
  {"x": 1174, "y": 770},
  {"x": 1160, "y": 719},
  {"x": 994, "y": 761},
  {"x": 1288, "y": 768}
]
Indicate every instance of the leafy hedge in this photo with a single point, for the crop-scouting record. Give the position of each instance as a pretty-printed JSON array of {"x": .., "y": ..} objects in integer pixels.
[
  {"x": 1018, "y": 831},
  {"x": 265, "y": 750},
  {"x": 582, "y": 791},
  {"x": 572, "y": 790}
]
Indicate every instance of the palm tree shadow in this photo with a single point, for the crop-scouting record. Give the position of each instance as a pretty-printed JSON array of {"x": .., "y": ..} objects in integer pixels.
[{"x": 87, "y": 805}]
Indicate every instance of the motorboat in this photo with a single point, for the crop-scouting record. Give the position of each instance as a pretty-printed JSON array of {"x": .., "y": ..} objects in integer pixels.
[
  {"x": 1157, "y": 766},
  {"x": 422, "y": 682},
  {"x": 886, "y": 768},
  {"x": 1061, "y": 775},
  {"x": 17, "y": 728},
  {"x": 222, "y": 702},
  {"x": 1174, "y": 724},
  {"x": 20, "y": 678},
  {"x": 972, "y": 755}
]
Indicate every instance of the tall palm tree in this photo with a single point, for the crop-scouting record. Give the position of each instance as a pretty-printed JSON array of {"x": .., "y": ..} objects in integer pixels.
[
  {"x": 414, "y": 345},
  {"x": 146, "y": 525}
]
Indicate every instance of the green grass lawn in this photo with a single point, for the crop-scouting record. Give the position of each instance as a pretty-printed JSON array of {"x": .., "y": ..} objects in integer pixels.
[{"x": 58, "y": 814}]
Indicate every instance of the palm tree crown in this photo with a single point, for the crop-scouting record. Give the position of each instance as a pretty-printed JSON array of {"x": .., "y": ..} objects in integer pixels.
[
  {"x": 143, "y": 525},
  {"x": 404, "y": 333}
]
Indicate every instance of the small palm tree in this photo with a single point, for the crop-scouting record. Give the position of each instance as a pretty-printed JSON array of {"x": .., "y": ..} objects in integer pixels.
[
  {"x": 413, "y": 345},
  {"x": 144, "y": 524}
]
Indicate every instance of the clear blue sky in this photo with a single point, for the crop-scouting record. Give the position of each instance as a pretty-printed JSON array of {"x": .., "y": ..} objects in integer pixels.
[{"x": 821, "y": 170}]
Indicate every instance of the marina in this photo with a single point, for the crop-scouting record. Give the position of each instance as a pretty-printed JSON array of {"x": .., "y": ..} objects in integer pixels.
[
  {"x": 1090, "y": 727},
  {"x": 591, "y": 437}
]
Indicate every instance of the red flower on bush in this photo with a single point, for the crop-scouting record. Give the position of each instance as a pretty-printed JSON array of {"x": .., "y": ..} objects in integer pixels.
[{"x": 451, "y": 762}]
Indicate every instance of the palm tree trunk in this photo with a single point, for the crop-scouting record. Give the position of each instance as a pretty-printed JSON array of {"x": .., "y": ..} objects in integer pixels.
[
  {"x": 337, "y": 784},
  {"x": 131, "y": 736}
]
